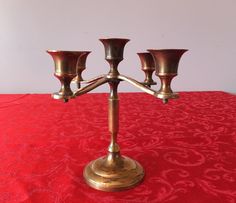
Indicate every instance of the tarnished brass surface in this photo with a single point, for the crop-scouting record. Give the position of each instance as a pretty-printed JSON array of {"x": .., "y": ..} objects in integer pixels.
[
  {"x": 114, "y": 49},
  {"x": 115, "y": 172},
  {"x": 113, "y": 116},
  {"x": 104, "y": 174},
  {"x": 90, "y": 86},
  {"x": 148, "y": 67},
  {"x": 138, "y": 85},
  {"x": 90, "y": 80},
  {"x": 65, "y": 70},
  {"x": 166, "y": 63},
  {"x": 81, "y": 66},
  {"x": 167, "y": 60}
]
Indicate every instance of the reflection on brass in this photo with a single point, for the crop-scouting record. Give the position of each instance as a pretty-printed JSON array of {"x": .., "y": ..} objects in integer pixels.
[
  {"x": 114, "y": 49},
  {"x": 148, "y": 67},
  {"x": 114, "y": 171},
  {"x": 91, "y": 80},
  {"x": 91, "y": 86},
  {"x": 137, "y": 84},
  {"x": 65, "y": 71},
  {"x": 81, "y": 66},
  {"x": 166, "y": 63}
]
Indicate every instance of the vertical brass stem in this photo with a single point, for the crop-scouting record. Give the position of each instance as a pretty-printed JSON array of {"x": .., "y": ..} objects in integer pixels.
[
  {"x": 113, "y": 68},
  {"x": 65, "y": 84},
  {"x": 113, "y": 116},
  {"x": 165, "y": 84},
  {"x": 113, "y": 172},
  {"x": 148, "y": 76}
]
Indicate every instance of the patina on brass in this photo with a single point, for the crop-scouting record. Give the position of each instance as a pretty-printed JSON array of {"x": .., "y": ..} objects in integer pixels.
[
  {"x": 114, "y": 171},
  {"x": 166, "y": 63},
  {"x": 81, "y": 66},
  {"x": 114, "y": 49},
  {"x": 65, "y": 71},
  {"x": 148, "y": 67}
]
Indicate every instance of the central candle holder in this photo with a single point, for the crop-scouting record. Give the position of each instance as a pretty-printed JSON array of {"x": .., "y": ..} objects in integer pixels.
[{"x": 114, "y": 171}]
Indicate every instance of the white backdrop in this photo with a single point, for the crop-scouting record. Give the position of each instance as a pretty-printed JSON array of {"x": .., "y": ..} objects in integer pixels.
[{"x": 206, "y": 27}]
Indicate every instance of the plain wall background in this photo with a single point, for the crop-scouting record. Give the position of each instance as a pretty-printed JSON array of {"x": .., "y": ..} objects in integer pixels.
[{"x": 29, "y": 27}]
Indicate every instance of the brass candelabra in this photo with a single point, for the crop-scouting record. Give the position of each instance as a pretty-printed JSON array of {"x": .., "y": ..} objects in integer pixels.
[{"x": 115, "y": 172}]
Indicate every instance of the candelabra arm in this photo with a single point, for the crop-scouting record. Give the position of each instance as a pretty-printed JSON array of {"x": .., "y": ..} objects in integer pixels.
[
  {"x": 91, "y": 80},
  {"x": 91, "y": 86},
  {"x": 138, "y": 85}
]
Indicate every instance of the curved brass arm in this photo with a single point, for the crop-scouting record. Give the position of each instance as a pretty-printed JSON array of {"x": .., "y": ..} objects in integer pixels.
[
  {"x": 93, "y": 79},
  {"x": 138, "y": 85},
  {"x": 89, "y": 81},
  {"x": 91, "y": 86}
]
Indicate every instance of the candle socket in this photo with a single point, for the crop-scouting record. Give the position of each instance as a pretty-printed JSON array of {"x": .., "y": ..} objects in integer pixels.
[
  {"x": 166, "y": 65},
  {"x": 148, "y": 67},
  {"x": 114, "y": 49},
  {"x": 65, "y": 70}
]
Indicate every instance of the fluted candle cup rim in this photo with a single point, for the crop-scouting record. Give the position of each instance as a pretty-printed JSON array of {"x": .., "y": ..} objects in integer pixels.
[
  {"x": 167, "y": 50},
  {"x": 141, "y": 53},
  {"x": 65, "y": 51},
  {"x": 106, "y": 39}
]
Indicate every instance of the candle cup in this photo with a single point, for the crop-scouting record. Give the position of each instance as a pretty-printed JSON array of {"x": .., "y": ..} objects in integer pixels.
[
  {"x": 148, "y": 67},
  {"x": 65, "y": 70},
  {"x": 114, "y": 49},
  {"x": 166, "y": 64}
]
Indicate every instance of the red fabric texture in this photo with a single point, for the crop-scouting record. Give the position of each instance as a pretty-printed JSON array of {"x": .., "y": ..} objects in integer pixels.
[{"x": 187, "y": 147}]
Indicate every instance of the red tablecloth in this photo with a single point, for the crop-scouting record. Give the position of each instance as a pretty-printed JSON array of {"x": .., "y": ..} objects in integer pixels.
[{"x": 187, "y": 147}]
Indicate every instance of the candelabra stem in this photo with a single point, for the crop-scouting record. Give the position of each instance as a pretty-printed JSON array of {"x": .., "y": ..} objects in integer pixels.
[
  {"x": 113, "y": 117},
  {"x": 113, "y": 172},
  {"x": 113, "y": 68}
]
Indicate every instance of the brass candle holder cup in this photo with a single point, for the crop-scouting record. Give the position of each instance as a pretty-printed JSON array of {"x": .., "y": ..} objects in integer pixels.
[
  {"x": 148, "y": 67},
  {"x": 65, "y": 70},
  {"x": 166, "y": 63},
  {"x": 114, "y": 171}
]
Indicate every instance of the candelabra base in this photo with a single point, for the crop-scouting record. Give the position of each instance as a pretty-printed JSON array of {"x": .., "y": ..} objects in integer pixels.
[{"x": 113, "y": 173}]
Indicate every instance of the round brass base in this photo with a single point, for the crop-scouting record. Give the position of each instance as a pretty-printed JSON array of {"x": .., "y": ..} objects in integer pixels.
[{"x": 104, "y": 174}]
